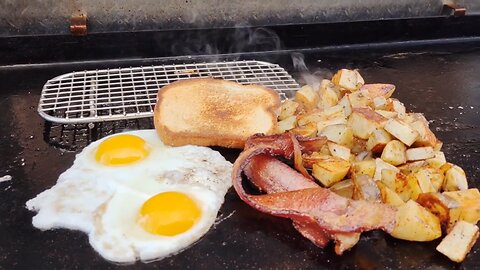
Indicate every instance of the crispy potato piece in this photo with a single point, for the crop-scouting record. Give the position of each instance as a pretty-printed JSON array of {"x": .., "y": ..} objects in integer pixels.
[
  {"x": 339, "y": 151},
  {"x": 286, "y": 124},
  {"x": 343, "y": 188},
  {"x": 287, "y": 109},
  {"x": 379, "y": 89},
  {"x": 401, "y": 131},
  {"x": 345, "y": 104},
  {"x": 469, "y": 201},
  {"x": 455, "y": 179},
  {"x": 412, "y": 167},
  {"x": 428, "y": 179},
  {"x": 345, "y": 241},
  {"x": 364, "y": 167},
  {"x": 458, "y": 243},
  {"x": 341, "y": 134},
  {"x": 415, "y": 223},
  {"x": 364, "y": 121},
  {"x": 365, "y": 189},
  {"x": 395, "y": 105},
  {"x": 379, "y": 103},
  {"x": 329, "y": 170},
  {"x": 348, "y": 79},
  {"x": 319, "y": 115},
  {"x": 420, "y": 153},
  {"x": 387, "y": 114},
  {"x": 389, "y": 178},
  {"x": 381, "y": 165},
  {"x": 438, "y": 160},
  {"x": 389, "y": 196},
  {"x": 358, "y": 146},
  {"x": 407, "y": 187},
  {"x": 307, "y": 96},
  {"x": 335, "y": 121},
  {"x": 360, "y": 99},
  {"x": 309, "y": 130},
  {"x": 394, "y": 153},
  {"x": 328, "y": 95},
  {"x": 445, "y": 208},
  {"x": 377, "y": 140},
  {"x": 425, "y": 135}
]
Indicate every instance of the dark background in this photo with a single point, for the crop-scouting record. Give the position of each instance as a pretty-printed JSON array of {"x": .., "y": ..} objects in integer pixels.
[{"x": 434, "y": 63}]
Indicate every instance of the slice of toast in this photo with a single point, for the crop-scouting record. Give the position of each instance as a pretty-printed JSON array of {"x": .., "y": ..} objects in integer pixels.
[{"x": 213, "y": 112}]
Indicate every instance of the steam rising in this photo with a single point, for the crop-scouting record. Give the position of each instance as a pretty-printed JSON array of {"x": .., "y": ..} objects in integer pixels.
[{"x": 305, "y": 76}]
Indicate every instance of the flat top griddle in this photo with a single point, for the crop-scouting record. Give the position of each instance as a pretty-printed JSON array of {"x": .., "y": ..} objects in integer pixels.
[{"x": 440, "y": 80}]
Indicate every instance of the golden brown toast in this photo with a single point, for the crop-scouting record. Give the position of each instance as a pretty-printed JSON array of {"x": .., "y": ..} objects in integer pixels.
[{"x": 213, "y": 112}]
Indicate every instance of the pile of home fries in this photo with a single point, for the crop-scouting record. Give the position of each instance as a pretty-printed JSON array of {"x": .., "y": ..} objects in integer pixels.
[{"x": 377, "y": 151}]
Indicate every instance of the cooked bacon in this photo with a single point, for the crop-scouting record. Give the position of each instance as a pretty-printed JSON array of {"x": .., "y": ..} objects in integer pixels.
[{"x": 317, "y": 213}]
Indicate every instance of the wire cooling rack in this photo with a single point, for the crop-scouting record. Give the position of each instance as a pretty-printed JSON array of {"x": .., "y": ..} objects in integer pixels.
[{"x": 128, "y": 93}]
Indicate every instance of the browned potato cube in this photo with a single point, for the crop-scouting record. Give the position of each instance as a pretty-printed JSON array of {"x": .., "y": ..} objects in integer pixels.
[
  {"x": 364, "y": 121},
  {"x": 287, "y": 109},
  {"x": 330, "y": 170},
  {"x": 459, "y": 241},
  {"x": 394, "y": 153},
  {"x": 377, "y": 140},
  {"x": 307, "y": 96},
  {"x": 401, "y": 131},
  {"x": 348, "y": 79}
]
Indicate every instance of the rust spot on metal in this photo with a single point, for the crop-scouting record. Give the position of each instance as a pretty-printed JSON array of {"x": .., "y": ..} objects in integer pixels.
[{"x": 78, "y": 25}]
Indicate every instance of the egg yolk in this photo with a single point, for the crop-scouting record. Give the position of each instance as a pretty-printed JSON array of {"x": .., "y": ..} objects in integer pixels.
[
  {"x": 168, "y": 214},
  {"x": 121, "y": 150}
]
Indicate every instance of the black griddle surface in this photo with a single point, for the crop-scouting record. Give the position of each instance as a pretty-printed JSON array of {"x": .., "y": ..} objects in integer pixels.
[{"x": 441, "y": 81}]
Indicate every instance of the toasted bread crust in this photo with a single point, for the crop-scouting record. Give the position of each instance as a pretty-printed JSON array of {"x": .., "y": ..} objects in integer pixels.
[{"x": 213, "y": 112}]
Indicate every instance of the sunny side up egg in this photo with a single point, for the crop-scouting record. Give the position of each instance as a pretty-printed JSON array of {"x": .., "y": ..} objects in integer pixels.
[{"x": 136, "y": 198}]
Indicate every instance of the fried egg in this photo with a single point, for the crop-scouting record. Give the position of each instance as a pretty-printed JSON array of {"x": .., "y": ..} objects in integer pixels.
[{"x": 136, "y": 198}]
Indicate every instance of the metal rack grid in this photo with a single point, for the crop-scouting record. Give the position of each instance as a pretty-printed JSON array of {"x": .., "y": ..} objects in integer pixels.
[{"x": 128, "y": 93}]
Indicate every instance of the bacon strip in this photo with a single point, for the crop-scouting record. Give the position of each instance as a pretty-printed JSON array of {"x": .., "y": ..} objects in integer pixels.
[{"x": 317, "y": 213}]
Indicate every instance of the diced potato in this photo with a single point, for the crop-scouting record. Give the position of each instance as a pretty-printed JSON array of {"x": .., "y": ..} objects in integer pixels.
[
  {"x": 358, "y": 146},
  {"x": 438, "y": 145},
  {"x": 420, "y": 153},
  {"x": 338, "y": 150},
  {"x": 348, "y": 79},
  {"x": 360, "y": 99},
  {"x": 330, "y": 122},
  {"x": 434, "y": 176},
  {"x": 364, "y": 121},
  {"x": 387, "y": 114},
  {"x": 412, "y": 167},
  {"x": 307, "y": 96},
  {"x": 407, "y": 187},
  {"x": 379, "y": 89},
  {"x": 287, "y": 109},
  {"x": 389, "y": 178},
  {"x": 330, "y": 170},
  {"x": 365, "y": 189},
  {"x": 345, "y": 103},
  {"x": 399, "y": 108},
  {"x": 343, "y": 188},
  {"x": 415, "y": 223},
  {"x": 438, "y": 160},
  {"x": 309, "y": 130},
  {"x": 318, "y": 115},
  {"x": 445, "y": 208},
  {"x": 379, "y": 103},
  {"x": 469, "y": 201},
  {"x": 381, "y": 165},
  {"x": 458, "y": 243},
  {"x": 425, "y": 135},
  {"x": 328, "y": 95},
  {"x": 377, "y": 140},
  {"x": 287, "y": 124},
  {"x": 389, "y": 196},
  {"x": 424, "y": 177},
  {"x": 455, "y": 179},
  {"x": 401, "y": 131},
  {"x": 445, "y": 167},
  {"x": 364, "y": 167},
  {"x": 394, "y": 153},
  {"x": 341, "y": 134}
]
